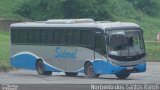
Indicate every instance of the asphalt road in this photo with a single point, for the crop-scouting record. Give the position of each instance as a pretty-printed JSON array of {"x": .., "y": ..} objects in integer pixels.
[{"x": 28, "y": 77}]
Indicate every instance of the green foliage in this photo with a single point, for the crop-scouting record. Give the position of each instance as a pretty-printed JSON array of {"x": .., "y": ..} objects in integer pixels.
[
  {"x": 123, "y": 9},
  {"x": 96, "y": 9},
  {"x": 153, "y": 51},
  {"x": 4, "y": 49},
  {"x": 150, "y": 7},
  {"x": 41, "y": 9},
  {"x": 46, "y": 9},
  {"x": 8, "y": 7}
]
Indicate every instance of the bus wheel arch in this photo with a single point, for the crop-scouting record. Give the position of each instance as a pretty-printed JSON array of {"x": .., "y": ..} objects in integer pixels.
[
  {"x": 40, "y": 67},
  {"x": 89, "y": 70},
  {"x": 86, "y": 62}
]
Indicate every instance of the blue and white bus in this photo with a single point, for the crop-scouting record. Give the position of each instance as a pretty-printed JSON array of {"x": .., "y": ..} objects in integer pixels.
[{"x": 77, "y": 46}]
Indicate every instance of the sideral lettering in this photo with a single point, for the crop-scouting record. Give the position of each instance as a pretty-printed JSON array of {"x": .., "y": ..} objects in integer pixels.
[{"x": 60, "y": 53}]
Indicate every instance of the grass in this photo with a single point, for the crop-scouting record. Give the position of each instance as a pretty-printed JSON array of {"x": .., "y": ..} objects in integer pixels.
[
  {"x": 150, "y": 27},
  {"x": 153, "y": 51},
  {"x": 4, "y": 50}
]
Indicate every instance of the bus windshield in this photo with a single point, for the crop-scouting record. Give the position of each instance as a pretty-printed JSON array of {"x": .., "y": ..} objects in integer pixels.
[{"x": 126, "y": 45}]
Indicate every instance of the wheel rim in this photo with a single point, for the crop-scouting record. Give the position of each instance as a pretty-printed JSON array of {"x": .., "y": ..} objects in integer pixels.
[
  {"x": 40, "y": 68},
  {"x": 90, "y": 71}
]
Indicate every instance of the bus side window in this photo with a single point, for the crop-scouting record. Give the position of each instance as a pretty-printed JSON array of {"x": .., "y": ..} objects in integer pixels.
[
  {"x": 30, "y": 36},
  {"x": 37, "y": 36},
  {"x": 14, "y": 35},
  {"x": 100, "y": 44},
  {"x": 59, "y": 36},
  {"x": 43, "y": 36},
  {"x": 86, "y": 37},
  {"x": 25, "y": 35},
  {"x": 72, "y": 37},
  {"x": 49, "y": 36},
  {"x": 19, "y": 36}
]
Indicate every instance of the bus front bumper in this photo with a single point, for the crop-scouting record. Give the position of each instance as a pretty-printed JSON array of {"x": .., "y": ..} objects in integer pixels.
[
  {"x": 103, "y": 67},
  {"x": 129, "y": 69}
]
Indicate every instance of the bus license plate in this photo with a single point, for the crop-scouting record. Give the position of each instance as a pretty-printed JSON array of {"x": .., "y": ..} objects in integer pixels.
[{"x": 129, "y": 68}]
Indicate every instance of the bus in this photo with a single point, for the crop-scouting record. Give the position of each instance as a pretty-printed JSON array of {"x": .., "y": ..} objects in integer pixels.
[{"x": 77, "y": 46}]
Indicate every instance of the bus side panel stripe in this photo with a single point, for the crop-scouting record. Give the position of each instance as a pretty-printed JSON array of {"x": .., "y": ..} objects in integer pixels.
[
  {"x": 49, "y": 67},
  {"x": 28, "y": 60}
]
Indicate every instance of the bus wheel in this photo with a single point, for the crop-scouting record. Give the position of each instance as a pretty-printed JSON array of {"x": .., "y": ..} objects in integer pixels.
[
  {"x": 123, "y": 76},
  {"x": 41, "y": 70},
  {"x": 89, "y": 71},
  {"x": 71, "y": 73}
]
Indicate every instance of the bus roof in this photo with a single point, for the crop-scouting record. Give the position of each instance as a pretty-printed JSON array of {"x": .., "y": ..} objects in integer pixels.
[{"x": 76, "y": 23}]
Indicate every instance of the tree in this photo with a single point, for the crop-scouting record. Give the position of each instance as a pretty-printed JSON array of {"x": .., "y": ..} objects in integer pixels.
[
  {"x": 150, "y": 7},
  {"x": 41, "y": 9},
  {"x": 95, "y": 9},
  {"x": 47, "y": 9}
]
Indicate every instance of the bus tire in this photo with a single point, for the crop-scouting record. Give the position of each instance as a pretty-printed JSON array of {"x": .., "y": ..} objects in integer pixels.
[
  {"x": 123, "y": 76},
  {"x": 41, "y": 69},
  {"x": 71, "y": 74},
  {"x": 89, "y": 71}
]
